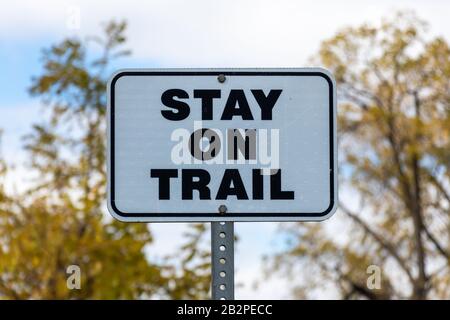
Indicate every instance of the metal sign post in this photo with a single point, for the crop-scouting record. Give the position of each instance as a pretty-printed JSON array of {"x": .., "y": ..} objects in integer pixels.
[
  {"x": 222, "y": 260},
  {"x": 259, "y": 144}
]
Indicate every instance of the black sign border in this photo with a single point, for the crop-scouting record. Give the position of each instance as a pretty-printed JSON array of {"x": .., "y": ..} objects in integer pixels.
[{"x": 207, "y": 216}]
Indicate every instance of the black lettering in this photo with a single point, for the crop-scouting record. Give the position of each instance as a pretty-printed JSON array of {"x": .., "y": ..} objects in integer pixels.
[
  {"x": 164, "y": 176},
  {"x": 275, "y": 188},
  {"x": 266, "y": 103},
  {"x": 258, "y": 184},
  {"x": 168, "y": 100},
  {"x": 207, "y": 97},
  {"x": 231, "y": 176},
  {"x": 231, "y": 109},
  {"x": 214, "y": 144},
  {"x": 201, "y": 185}
]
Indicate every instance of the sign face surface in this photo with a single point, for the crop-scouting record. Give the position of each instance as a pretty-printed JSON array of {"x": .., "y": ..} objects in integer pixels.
[{"x": 260, "y": 143}]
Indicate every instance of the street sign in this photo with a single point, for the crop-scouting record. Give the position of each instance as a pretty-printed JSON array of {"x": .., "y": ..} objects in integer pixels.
[{"x": 222, "y": 145}]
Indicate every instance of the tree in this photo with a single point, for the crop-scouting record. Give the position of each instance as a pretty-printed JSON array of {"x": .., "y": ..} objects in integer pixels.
[
  {"x": 394, "y": 143},
  {"x": 61, "y": 220}
]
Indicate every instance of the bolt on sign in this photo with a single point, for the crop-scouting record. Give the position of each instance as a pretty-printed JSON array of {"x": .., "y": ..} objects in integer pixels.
[{"x": 183, "y": 143}]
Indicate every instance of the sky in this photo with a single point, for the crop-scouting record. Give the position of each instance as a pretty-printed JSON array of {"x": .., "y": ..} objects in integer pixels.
[{"x": 196, "y": 33}]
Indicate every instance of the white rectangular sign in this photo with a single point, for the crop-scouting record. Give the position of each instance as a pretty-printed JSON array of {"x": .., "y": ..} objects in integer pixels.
[{"x": 260, "y": 144}]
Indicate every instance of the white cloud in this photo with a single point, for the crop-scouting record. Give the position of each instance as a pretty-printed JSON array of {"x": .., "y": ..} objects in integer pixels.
[{"x": 214, "y": 33}]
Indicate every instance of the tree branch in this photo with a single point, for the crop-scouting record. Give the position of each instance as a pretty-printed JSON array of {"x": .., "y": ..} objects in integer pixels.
[
  {"x": 385, "y": 244},
  {"x": 436, "y": 243}
]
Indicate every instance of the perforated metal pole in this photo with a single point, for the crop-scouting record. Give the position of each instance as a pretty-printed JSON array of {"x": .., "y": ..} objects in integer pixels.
[
  {"x": 222, "y": 252},
  {"x": 222, "y": 260}
]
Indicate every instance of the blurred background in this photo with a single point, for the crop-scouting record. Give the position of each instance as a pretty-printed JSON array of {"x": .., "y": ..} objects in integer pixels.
[{"x": 388, "y": 240}]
